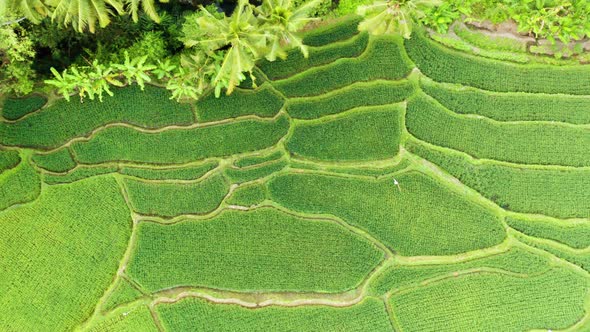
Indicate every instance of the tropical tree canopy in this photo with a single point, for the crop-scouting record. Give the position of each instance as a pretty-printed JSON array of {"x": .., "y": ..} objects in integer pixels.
[
  {"x": 233, "y": 44},
  {"x": 390, "y": 16},
  {"x": 82, "y": 15}
]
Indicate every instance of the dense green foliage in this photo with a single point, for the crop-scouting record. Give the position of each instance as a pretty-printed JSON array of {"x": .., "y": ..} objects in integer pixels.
[
  {"x": 373, "y": 200},
  {"x": 280, "y": 253},
  {"x": 16, "y": 57}
]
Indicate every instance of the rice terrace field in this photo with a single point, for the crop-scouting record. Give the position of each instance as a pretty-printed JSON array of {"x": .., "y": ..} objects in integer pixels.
[{"x": 382, "y": 184}]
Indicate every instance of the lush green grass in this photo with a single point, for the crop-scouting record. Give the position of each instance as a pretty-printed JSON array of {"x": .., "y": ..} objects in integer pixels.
[
  {"x": 248, "y": 194},
  {"x": 263, "y": 101},
  {"x": 60, "y": 253},
  {"x": 530, "y": 143},
  {"x": 79, "y": 173},
  {"x": 240, "y": 175},
  {"x": 138, "y": 319},
  {"x": 361, "y": 135},
  {"x": 123, "y": 293},
  {"x": 485, "y": 41},
  {"x": 355, "y": 95},
  {"x": 200, "y": 315},
  {"x": 252, "y": 160},
  {"x": 19, "y": 185},
  {"x": 558, "y": 193},
  {"x": 169, "y": 199},
  {"x": 15, "y": 108},
  {"x": 516, "y": 260},
  {"x": 422, "y": 217},
  {"x": 281, "y": 252},
  {"x": 494, "y": 302},
  {"x": 175, "y": 173},
  {"x": 330, "y": 33},
  {"x": 180, "y": 145},
  {"x": 573, "y": 234},
  {"x": 385, "y": 169},
  {"x": 579, "y": 258},
  {"x": 62, "y": 121},
  {"x": 330, "y": 201},
  {"x": 446, "y": 65},
  {"x": 512, "y": 106},
  {"x": 8, "y": 159},
  {"x": 463, "y": 46},
  {"x": 383, "y": 59},
  {"x": 296, "y": 62},
  {"x": 58, "y": 161}
]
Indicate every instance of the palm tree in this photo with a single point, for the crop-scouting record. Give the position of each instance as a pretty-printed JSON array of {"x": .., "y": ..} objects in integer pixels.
[
  {"x": 246, "y": 36},
  {"x": 238, "y": 37},
  {"x": 34, "y": 10},
  {"x": 80, "y": 14},
  {"x": 282, "y": 21},
  {"x": 393, "y": 16}
]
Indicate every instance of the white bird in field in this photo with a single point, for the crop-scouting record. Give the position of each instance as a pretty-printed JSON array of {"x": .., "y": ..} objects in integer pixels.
[{"x": 397, "y": 185}]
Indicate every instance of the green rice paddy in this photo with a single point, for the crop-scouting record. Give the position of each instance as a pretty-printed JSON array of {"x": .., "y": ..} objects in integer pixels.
[{"x": 381, "y": 184}]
